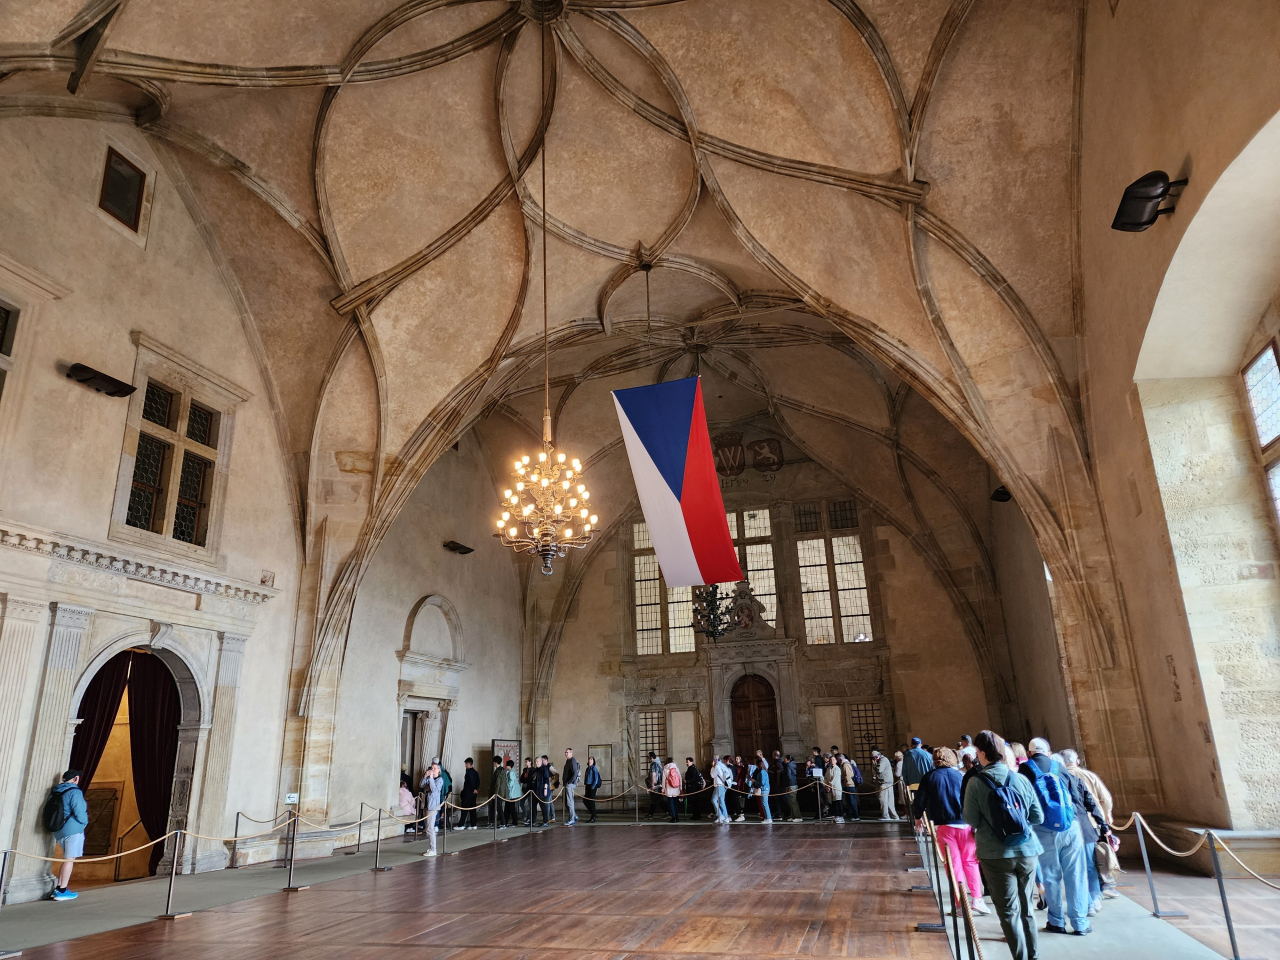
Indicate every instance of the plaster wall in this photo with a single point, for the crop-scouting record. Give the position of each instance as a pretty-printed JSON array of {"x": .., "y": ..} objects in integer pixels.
[
  {"x": 454, "y": 501},
  {"x": 62, "y": 442},
  {"x": 1038, "y": 661},
  {"x": 1180, "y": 86},
  {"x": 1220, "y": 524}
]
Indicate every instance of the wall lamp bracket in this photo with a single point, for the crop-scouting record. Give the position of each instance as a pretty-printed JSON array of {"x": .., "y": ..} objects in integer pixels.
[
  {"x": 99, "y": 381},
  {"x": 1001, "y": 494},
  {"x": 1140, "y": 205},
  {"x": 459, "y": 548}
]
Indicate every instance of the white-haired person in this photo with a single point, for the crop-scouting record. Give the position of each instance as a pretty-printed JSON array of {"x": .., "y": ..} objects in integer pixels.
[
  {"x": 1062, "y": 864},
  {"x": 1093, "y": 809}
]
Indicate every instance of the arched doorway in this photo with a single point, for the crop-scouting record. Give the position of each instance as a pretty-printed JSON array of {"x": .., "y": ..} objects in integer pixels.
[
  {"x": 126, "y": 744},
  {"x": 755, "y": 716}
]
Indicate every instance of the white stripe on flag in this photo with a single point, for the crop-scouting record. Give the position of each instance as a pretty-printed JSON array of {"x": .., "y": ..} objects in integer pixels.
[{"x": 662, "y": 512}]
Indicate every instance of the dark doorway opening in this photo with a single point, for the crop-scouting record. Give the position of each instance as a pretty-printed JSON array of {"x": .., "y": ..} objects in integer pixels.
[
  {"x": 755, "y": 717},
  {"x": 127, "y": 745}
]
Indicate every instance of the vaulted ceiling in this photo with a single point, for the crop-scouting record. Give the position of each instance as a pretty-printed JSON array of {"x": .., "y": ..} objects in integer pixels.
[{"x": 853, "y": 209}]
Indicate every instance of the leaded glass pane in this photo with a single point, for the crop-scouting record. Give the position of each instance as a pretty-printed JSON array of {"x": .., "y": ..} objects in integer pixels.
[
  {"x": 851, "y": 589},
  {"x": 6, "y": 330},
  {"x": 640, "y": 536},
  {"x": 755, "y": 523},
  {"x": 808, "y": 517},
  {"x": 157, "y": 404},
  {"x": 680, "y": 619},
  {"x": 843, "y": 514},
  {"x": 1273, "y": 481},
  {"x": 189, "y": 517},
  {"x": 760, "y": 573},
  {"x": 200, "y": 425},
  {"x": 733, "y": 525},
  {"x": 815, "y": 591},
  {"x": 144, "y": 509},
  {"x": 1262, "y": 383},
  {"x": 648, "y": 605}
]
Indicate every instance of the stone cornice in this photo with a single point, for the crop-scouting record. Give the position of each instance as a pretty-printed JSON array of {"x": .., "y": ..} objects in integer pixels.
[{"x": 133, "y": 566}]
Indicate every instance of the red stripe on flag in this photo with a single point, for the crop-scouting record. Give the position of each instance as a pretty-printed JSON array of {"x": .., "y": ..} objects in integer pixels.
[{"x": 703, "y": 507}]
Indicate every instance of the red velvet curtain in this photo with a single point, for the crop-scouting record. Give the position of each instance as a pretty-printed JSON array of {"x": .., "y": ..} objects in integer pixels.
[
  {"x": 154, "y": 712},
  {"x": 98, "y": 711}
]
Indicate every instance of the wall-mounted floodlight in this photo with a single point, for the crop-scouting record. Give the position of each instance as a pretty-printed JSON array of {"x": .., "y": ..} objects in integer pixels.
[
  {"x": 99, "y": 381},
  {"x": 1001, "y": 494},
  {"x": 1140, "y": 206},
  {"x": 460, "y": 548}
]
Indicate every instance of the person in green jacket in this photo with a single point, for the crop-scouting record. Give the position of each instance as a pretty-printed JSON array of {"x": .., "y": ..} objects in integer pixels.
[{"x": 1008, "y": 865}]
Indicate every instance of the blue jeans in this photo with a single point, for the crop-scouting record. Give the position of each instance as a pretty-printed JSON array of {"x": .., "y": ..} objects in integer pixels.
[
  {"x": 717, "y": 802},
  {"x": 1062, "y": 865},
  {"x": 1095, "y": 882}
]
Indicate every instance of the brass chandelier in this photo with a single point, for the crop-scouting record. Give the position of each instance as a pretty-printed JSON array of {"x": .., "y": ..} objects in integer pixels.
[{"x": 546, "y": 511}]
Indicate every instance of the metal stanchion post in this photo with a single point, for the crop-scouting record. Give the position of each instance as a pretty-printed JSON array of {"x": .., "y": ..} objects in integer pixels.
[
  {"x": 377, "y": 848},
  {"x": 173, "y": 873},
  {"x": 637, "y": 809},
  {"x": 955, "y": 898},
  {"x": 941, "y": 926},
  {"x": 359, "y": 832},
  {"x": 1146, "y": 864},
  {"x": 1222, "y": 892},
  {"x": 922, "y": 839},
  {"x": 493, "y": 819},
  {"x": 293, "y": 853},
  {"x": 235, "y": 840}
]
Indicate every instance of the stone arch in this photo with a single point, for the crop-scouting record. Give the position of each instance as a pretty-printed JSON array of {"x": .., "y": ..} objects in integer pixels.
[
  {"x": 442, "y": 608},
  {"x": 196, "y": 699}
]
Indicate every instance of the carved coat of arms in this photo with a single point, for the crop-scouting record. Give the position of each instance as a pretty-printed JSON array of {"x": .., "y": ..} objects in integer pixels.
[
  {"x": 766, "y": 455},
  {"x": 731, "y": 459}
]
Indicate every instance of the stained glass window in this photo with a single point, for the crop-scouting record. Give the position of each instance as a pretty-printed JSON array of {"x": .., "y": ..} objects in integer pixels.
[
  {"x": 1262, "y": 383},
  {"x": 146, "y": 509}
]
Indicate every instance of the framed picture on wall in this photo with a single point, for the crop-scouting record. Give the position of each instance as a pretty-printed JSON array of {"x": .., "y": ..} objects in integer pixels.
[{"x": 507, "y": 750}]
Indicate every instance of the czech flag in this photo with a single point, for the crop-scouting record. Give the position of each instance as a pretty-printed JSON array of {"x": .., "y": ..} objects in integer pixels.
[{"x": 665, "y": 429}]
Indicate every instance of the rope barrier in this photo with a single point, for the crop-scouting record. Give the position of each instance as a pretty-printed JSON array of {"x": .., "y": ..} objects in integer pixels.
[
  {"x": 1243, "y": 866},
  {"x": 113, "y": 856},
  {"x": 283, "y": 813}
]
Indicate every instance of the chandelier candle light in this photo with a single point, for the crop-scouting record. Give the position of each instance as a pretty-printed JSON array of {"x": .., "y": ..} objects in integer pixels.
[{"x": 546, "y": 512}]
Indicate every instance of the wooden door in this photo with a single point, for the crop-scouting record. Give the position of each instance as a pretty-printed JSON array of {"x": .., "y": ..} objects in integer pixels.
[{"x": 755, "y": 717}]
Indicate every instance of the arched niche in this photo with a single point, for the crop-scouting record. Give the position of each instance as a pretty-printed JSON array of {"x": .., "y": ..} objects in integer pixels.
[
  {"x": 434, "y": 630},
  {"x": 431, "y": 660}
]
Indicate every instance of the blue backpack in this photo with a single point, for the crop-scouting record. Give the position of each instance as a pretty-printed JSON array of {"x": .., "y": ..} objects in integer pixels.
[
  {"x": 1006, "y": 810},
  {"x": 1054, "y": 796}
]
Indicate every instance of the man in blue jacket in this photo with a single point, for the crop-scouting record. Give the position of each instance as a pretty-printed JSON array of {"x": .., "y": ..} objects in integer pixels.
[
  {"x": 70, "y": 835},
  {"x": 916, "y": 762}
]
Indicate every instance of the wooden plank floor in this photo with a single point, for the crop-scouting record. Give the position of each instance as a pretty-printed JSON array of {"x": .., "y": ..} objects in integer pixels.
[{"x": 580, "y": 894}]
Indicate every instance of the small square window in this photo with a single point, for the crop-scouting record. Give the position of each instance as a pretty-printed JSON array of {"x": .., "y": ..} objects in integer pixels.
[
  {"x": 640, "y": 536},
  {"x": 808, "y": 517},
  {"x": 843, "y": 514},
  {"x": 733, "y": 525},
  {"x": 202, "y": 426},
  {"x": 122, "y": 190},
  {"x": 158, "y": 405},
  {"x": 755, "y": 523}
]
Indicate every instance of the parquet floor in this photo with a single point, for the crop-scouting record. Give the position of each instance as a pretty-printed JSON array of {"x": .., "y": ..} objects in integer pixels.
[{"x": 580, "y": 894}]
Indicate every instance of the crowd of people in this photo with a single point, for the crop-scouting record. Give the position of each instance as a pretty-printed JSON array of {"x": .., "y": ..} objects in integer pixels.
[{"x": 1029, "y": 827}]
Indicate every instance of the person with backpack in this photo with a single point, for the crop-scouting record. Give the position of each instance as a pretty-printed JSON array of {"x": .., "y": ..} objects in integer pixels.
[
  {"x": 760, "y": 787},
  {"x": 694, "y": 782},
  {"x": 66, "y": 817},
  {"x": 591, "y": 780},
  {"x": 850, "y": 780},
  {"x": 671, "y": 784},
  {"x": 1062, "y": 864},
  {"x": 1003, "y": 810}
]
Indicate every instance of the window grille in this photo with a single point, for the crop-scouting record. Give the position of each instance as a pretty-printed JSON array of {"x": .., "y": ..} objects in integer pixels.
[
  {"x": 733, "y": 525},
  {"x": 1262, "y": 383},
  {"x": 190, "y": 519},
  {"x": 200, "y": 426},
  {"x": 842, "y": 514},
  {"x": 815, "y": 591},
  {"x": 653, "y": 734},
  {"x": 680, "y": 619},
  {"x": 640, "y": 536},
  {"x": 867, "y": 728},
  {"x": 648, "y": 605},
  {"x": 755, "y": 523},
  {"x": 807, "y": 517},
  {"x": 157, "y": 407},
  {"x": 851, "y": 588},
  {"x": 146, "y": 498},
  {"x": 760, "y": 572}
]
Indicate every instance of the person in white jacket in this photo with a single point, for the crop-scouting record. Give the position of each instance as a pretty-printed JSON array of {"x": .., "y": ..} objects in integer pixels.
[
  {"x": 832, "y": 774},
  {"x": 884, "y": 773}
]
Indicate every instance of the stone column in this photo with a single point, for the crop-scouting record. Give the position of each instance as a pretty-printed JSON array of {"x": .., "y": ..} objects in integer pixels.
[
  {"x": 19, "y": 666},
  {"x": 50, "y": 748},
  {"x": 212, "y": 818}
]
